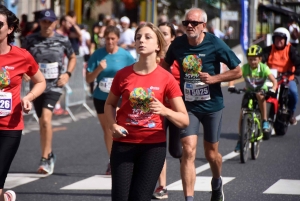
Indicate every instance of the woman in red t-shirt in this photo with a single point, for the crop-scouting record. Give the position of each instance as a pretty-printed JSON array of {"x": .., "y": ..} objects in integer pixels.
[
  {"x": 139, "y": 139},
  {"x": 14, "y": 62}
]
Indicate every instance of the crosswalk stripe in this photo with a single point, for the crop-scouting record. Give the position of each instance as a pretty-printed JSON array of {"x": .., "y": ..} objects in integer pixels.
[
  {"x": 97, "y": 182},
  {"x": 285, "y": 186},
  {"x": 16, "y": 179}
]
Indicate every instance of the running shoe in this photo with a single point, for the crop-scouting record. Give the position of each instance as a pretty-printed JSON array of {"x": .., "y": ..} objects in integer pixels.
[
  {"x": 52, "y": 160},
  {"x": 237, "y": 147},
  {"x": 266, "y": 126},
  {"x": 10, "y": 196},
  {"x": 44, "y": 167},
  {"x": 108, "y": 170},
  {"x": 218, "y": 194},
  {"x": 160, "y": 193}
]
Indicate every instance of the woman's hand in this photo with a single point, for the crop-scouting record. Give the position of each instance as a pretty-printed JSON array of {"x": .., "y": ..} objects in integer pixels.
[
  {"x": 118, "y": 131},
  {"x": 26, "y": 105},
  {"x": 157, "y": 107}
]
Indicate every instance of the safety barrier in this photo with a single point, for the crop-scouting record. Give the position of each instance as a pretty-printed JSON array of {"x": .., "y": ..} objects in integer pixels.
[
  {"x": 25, "y": 88},
  {"x": 75, "y": 89}
]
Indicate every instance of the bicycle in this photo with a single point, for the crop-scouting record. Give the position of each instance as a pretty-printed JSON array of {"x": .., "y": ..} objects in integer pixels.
[{"x": 250, "y": 128}]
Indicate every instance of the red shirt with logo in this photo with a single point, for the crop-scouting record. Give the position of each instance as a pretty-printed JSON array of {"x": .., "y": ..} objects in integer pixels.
[
  {"x": 137, "y": 92},
  {"x": 12, "y": 67}
]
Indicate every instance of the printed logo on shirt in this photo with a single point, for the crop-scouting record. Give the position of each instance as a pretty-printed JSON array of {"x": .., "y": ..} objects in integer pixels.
[
  {"x": 140, "y": 99},
  {"x": 192, "y": 64},
  {"x": 201, "y": 55},
  {"x": 154, "y": 88},
  {"x": 9, "y": 67},
  {"x": 4, "y": 78}
]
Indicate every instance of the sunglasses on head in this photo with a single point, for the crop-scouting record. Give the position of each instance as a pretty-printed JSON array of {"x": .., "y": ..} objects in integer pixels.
[
  {"x": 1, "y": 24},
  {"x": 193, "y": 23}
]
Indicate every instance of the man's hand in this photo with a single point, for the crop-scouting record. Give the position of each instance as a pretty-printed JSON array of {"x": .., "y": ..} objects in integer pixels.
[
  {"x": 206, "y": 78},
  {"x": 63, "y": 79},
  {"x": 26, "y": 77}
]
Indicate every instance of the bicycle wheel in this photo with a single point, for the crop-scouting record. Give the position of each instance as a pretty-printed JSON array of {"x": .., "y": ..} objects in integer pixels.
[
  {"x": 245, "y": 137},
  {"x": 255, "y": 144}
]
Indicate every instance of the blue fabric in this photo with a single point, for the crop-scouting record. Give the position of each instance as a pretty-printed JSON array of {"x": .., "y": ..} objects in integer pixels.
[
  {"x": 293, "y": 96},
  {"x": 115, "y": 62}
]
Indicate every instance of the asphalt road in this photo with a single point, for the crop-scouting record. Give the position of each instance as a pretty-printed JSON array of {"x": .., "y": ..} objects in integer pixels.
[{"x": 82, "y": 161}]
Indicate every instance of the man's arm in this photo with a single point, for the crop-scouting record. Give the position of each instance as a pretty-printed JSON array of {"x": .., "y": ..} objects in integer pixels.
[
  {"x": 64, "y": 78},
  {"x": 227, "y": 76}
]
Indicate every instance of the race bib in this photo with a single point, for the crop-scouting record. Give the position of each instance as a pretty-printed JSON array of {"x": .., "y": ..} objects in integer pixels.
[
  {"x": 105, "y": 84},
  {"x": 196, "y": 91},
  {"x": 49, "y": 70},
  {"x": 5, "y": 103}
]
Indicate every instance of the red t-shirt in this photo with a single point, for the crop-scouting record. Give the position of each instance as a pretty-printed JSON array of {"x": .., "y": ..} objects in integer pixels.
[
  {"x": 12, "y": 67},
  {"x": 137, "y": 92}
]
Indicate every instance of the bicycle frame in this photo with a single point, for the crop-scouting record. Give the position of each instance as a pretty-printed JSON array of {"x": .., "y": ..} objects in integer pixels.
[{"x": 254, "y": 118}]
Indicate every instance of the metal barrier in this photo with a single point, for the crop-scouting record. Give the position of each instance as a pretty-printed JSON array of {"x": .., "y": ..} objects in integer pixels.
[
  {"x": 75, "y": 89},
  {"x": 25, "y": 88}
]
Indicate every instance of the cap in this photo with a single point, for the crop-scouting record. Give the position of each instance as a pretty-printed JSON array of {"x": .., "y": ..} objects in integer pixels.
[
  {"x": 125, "y": 20},
  {"x": 48, "y": 14}
]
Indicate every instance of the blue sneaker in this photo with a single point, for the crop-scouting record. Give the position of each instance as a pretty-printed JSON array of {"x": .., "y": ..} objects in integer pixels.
[
  {"x": 237, "y": 147},
  {"x": 266, "y": 126}
]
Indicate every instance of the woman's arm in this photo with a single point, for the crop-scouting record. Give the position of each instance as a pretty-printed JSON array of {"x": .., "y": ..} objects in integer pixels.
[{"x": 91, "y": 76}]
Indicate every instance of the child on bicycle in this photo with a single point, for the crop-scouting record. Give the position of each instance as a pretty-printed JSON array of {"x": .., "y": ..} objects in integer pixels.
[{"x": 255, "y": 74}]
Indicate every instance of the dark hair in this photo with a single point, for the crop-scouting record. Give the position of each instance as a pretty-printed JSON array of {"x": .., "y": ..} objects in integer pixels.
[
  {"x": 170, "y": 25},
  {"x": 112, "y": 29},
  {"x": 12, "y": 22},
  {"x": 71, "y": 13},
  {"x": 62, "y": 19}
]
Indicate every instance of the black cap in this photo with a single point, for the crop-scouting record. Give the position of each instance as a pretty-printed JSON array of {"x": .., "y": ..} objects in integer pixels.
[{"x": 48, "y": 14}]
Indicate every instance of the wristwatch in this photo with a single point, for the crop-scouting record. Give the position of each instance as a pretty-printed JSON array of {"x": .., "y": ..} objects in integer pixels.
[{"x": 69, "y": 73}]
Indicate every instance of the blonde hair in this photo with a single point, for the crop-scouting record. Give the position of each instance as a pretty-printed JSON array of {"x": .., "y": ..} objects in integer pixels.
[{"x": 160, "y": 38}]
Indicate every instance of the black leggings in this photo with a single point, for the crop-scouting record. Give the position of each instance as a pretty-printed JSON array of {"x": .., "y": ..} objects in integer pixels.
[
  {"x": 9, "y": 144},
  {"x": 175, "y": 146},
  {"x": 135, "y": 169}
]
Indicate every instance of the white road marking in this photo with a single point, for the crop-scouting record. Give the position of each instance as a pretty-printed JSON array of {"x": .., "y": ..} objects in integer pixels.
[
  {"x": 13, "y": 180},
  {"x": 201, "y": 184},
  {"x": 285, "y": 186},
  {"x": 97, "y": 182},
  {"x": 298, "y": 118}
]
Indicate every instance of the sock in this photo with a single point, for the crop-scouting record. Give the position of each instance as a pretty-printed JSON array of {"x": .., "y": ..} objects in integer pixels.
[
  {"x": 189, "y": 198},
  {"x": 216, "y": 183},
  {"x": 57, "y": 106}
]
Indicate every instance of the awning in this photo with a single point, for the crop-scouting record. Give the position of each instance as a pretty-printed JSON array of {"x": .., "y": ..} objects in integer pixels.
[{"x": 279, "y": 9}]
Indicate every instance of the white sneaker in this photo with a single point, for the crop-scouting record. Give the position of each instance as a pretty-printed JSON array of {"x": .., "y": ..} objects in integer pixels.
[{"x": 10, "y": 196}]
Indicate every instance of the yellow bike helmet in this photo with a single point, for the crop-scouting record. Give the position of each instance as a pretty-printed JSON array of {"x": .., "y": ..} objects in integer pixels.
[{"x": 254, "y": 50}]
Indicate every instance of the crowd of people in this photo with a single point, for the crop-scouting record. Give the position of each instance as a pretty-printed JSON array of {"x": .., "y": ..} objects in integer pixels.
[{"x": 145, "y": 80}]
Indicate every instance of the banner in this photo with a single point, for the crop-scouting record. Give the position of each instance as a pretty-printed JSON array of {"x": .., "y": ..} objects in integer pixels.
[{"x": 244, "y": 33}]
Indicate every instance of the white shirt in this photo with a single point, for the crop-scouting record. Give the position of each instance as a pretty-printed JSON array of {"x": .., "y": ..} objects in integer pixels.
[
  {"x": 85, "y": 36},
  {"x": 291, "y": 28},
  {"x": 127, "y": 37}
]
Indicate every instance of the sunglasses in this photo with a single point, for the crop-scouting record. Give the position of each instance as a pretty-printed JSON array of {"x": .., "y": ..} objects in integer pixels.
[
  {"x": 193, "y": 23},
  {"x": 1, "y": 24}
]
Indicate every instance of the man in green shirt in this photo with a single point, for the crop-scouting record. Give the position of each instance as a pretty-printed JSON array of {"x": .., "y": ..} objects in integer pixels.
[{"x": 199, "y": 55}]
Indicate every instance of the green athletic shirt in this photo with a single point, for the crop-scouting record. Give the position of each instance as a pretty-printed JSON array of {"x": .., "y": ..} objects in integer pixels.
[
  {"x": 205, "y": 57},
  {"x": 255, "y": 79}
]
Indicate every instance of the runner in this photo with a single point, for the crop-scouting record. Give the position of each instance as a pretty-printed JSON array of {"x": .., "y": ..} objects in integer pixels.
[
  {"x": 103, "y": 65},
  {"x": 48, "y": 49},
  {"x": 139, "y": 146},
  {"x": 199, "y": 55},
  {"x": 14, "y": 63}
]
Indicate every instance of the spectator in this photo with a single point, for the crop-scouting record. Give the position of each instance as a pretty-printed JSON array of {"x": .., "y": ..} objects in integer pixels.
[
  {"x": 127, "y": 37},
  {"x": 75, "y": 32},
  {"x": 294, "y": 31}
]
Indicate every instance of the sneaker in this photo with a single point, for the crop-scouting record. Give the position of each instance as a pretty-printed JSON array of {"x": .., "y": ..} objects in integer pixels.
[
  {"x": 60, "y": 111},
  {"x": 160, "y": 193},
  {"x": 10, "y": 196},
  {"x": 52, "y": 160},
  {"x": 44, "y": 167},
  {"x": 293, "y": 120},
  {"x": 266, "y": 126},
  {"x": 237, "y": 147},
  {"x": 47, "y": 165},
  {"x": 108, "y": 170},
  {"x": 218, "y": 195}
]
